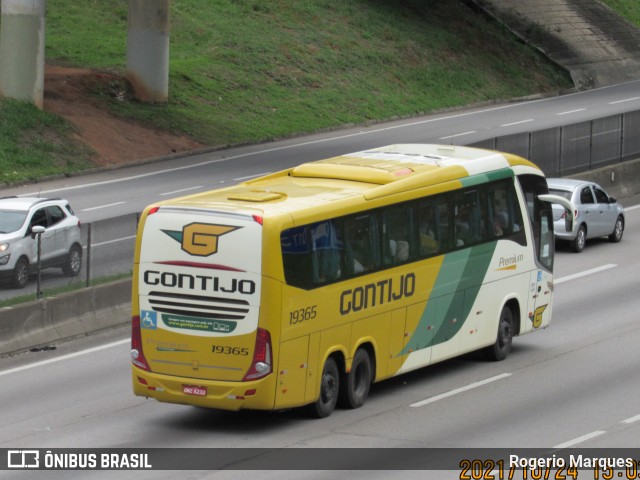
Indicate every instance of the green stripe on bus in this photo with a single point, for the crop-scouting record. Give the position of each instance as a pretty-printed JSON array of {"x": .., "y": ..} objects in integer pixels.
[
  {"x": 486, "y": 177},
  {"x": 454, "y": 293}
]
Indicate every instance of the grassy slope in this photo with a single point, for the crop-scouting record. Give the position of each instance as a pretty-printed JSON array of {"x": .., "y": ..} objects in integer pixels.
[
  {"x": 255, "y": 70},
  {"x": 630, "y": 9},
  {"x": 35, "y": 144},
  {"x": 249, "y": 70}
]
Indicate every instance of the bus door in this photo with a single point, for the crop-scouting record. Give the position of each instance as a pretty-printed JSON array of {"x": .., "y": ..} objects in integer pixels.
[
  {"x": 541, "y": 280},
  {"x": 539, "y": 311},
  {"x": 538, "y": 207}
]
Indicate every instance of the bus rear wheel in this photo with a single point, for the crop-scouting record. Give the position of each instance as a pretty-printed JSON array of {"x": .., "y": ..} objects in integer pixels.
[
  {"x": 329, "y": 388},
  {"x": 355, "y": 386},
  {"x": 502, "y": 346}
]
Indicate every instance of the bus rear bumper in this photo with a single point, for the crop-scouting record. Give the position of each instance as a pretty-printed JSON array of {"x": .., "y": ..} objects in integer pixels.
[{"x": 223, "y": 395}]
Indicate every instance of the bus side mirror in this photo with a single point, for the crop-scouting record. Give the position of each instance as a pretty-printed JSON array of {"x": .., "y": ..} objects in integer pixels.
[{"x": 569, "y": 208}]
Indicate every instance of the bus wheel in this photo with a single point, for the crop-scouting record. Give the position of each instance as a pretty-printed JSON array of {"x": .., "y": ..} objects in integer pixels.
[
  {"x": 499, "y": 350},
  {"x": 329, "y": 387},
  {"x": 355, "y": 387}
]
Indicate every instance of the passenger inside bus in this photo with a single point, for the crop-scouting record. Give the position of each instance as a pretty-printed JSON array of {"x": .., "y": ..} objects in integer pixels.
[
  {"x": 356, "y": 235},
  {"x": 397, "y": 225},
  {"x": 427, "y": 226}
]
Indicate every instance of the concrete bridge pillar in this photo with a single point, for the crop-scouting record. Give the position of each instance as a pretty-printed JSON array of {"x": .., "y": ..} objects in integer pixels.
[
  {"x": 148, "y": 49},
  {"x": 22, "y": 50}
]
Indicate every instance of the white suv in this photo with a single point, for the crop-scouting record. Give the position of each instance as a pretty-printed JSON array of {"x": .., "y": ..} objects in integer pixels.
[{"x": 60, "y": 243}]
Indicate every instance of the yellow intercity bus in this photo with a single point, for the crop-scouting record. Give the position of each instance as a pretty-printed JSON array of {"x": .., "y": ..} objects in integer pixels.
[{"x": 303, "y": 287}]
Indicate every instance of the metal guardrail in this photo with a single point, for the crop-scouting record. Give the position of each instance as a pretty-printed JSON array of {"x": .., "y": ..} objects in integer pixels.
[
  {"x": 575, "y": 148},
  {"x": 108, "y": 247}
]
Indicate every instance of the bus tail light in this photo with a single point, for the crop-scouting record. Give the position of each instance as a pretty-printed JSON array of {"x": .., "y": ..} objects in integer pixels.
[
  {"x": 137, "y": 355},
  {"x": 261, "y": 364}
]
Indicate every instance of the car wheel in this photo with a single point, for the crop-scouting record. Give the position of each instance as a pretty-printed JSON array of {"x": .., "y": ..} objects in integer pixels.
[
  {"x": 21, "y": 273},
  {"x": 356, "y": 383},
  {"x": 578, "y": 243},
  {"x": 73, "y": 264},
  {"x": 618, "y": 230},
  {"x": 504, "y": 339},
  {"x": 329, "y": 387}
]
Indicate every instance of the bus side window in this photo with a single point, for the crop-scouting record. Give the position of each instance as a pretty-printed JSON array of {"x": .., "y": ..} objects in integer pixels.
[
  {"x": 398, "y": 242},
  {"x": 468, "y": 225},
  {"x": 506, "y": 219},
  {"x": 428, "y": 228},
  {"x": 445, "y": 223},
  {"x": 296, "y": 256},
  {"x": 361, "y": 244},
  {"x": 500, "y": 219},
  {"x": 326, "y": 252}
]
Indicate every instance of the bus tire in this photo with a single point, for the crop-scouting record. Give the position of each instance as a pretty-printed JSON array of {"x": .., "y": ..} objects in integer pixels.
[
  {"x": 502, "y": 346},
  {"x": 355, "y": 385},
  {"x": 329, "y": 388}
]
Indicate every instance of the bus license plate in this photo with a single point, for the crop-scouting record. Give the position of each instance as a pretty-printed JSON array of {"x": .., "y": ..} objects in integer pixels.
[{"x": 194, "y": 390}]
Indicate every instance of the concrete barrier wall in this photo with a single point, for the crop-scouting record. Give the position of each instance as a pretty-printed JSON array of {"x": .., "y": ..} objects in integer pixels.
[
  {"x": 50, "y": 320},
  {"x": 620, "y": 180},
  {"x": 53, "y": 319}
]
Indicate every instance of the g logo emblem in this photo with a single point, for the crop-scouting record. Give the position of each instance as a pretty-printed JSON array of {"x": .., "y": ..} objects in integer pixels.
[
  {"x": 537, "y": 316},
  {"x": 200, "y": 239}
]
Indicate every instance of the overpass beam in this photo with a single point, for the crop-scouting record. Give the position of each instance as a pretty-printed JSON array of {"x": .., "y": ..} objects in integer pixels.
[
  {"x": 22, "y": 50},
  {"x": 148, "y": 49}
]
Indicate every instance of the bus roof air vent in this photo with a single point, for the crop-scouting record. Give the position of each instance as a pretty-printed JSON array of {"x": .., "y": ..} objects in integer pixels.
[{"x": 256, "y": 196}]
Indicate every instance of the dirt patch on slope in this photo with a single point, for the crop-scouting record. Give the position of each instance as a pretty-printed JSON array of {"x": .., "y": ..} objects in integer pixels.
[{"x": 67, "y": 92}]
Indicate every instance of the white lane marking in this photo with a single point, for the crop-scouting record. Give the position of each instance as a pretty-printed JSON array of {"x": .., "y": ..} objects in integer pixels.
[
  {"x": 631, "y": 419},
  {"x": 568, "y": 112},
  {"x": 102, "y": 206},
  {"x": 626, "y": 209},
  {"x": 625, "y": 100},
  {"x": 581, "y": 439},
  {"x": 517, "y": 123},
  {"x": 239, "y": 179},
  {"x": 457, "y": 135},
  {"x": 180, "y": 191},
  {"x": 460, "y": 390},
  {"x": 64, "y": 357},
  {"x": 585, "y": 273},
  {"x": 115, "y": 240}
]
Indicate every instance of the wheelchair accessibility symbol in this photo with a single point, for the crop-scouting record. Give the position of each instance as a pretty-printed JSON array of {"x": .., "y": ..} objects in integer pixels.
[{"x": 149, "y": 319}]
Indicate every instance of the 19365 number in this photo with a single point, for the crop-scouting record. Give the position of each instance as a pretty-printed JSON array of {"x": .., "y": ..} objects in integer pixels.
[
  {"x": 228, "y": 350},
  {"x": 302, "y": 314}
]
